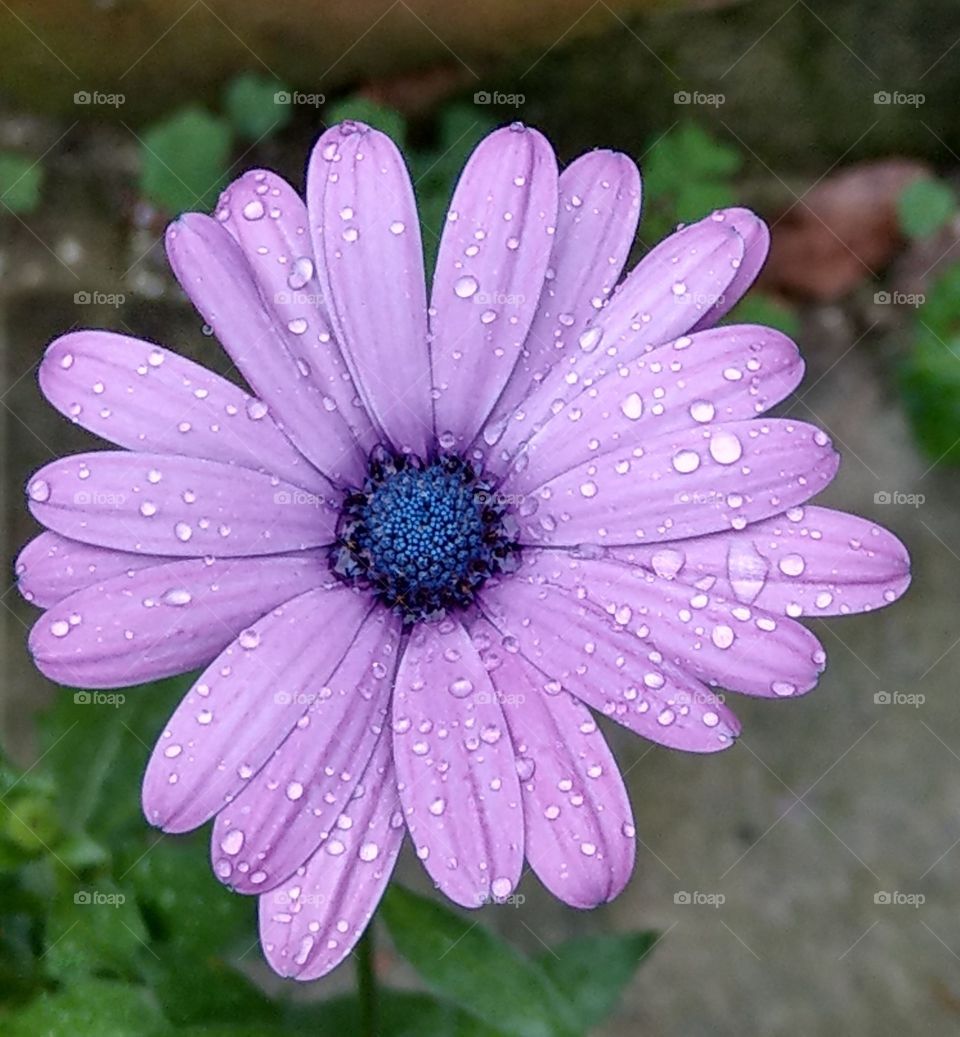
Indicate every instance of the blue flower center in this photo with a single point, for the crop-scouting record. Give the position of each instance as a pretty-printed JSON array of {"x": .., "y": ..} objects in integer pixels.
[{"x": 423, "y": 535}]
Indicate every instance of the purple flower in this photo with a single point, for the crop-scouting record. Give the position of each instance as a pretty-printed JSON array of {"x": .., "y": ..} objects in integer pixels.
[{"x": 439, "y": 532}]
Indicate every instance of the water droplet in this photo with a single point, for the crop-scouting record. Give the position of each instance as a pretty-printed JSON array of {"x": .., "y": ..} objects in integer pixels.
[
  {"x": 725, "y": 448},
  {"x": 232, "y": 842},
  {"x": 39, "y": 490},
  {"x": 253, "y": 210},
  {"x": 792, "y": 565},
  {"x": 466, "y": 286},
  {"x": 686, "y": 461},
  {"x": 632, "y": 406},
  {"x": 461, "y": 688},
  {"x": 182, "y": 531}
]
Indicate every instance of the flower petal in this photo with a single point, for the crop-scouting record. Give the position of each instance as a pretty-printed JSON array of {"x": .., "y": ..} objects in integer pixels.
[
  {"x": 596, "y": 225},
  {"x": 756, "y": 245},
  {"x": 142, "y": 397},
  {"x": 682, "y": 484},
  {"x": 724, "y": 374},
  {"x": 160, "y": 504},
  {"x": 308, "y": 926},
  {"x": 51, "y": 567},
  {"x": 663, "y": 297},
  {"x": 809, "y": 561},
  {"x": 244, "y": 704},
  {"x": 169, "y": 618},
  {"x": 579, "y": 649},
  {"x": 298, "y": 800},
  {"x": 578, "y": 823},
  {"x": 213, "y": 271},
  {"x": 493, "y": 258},
  {"x": 716, "y": 641},
  {"x": 279, "y": 252},
  {"x": 366, "y": 235},
  {"x": 455, "y": 767}
]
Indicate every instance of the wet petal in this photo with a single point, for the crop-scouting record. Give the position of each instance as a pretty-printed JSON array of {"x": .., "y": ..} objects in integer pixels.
[
  {"x": 366, "y": 233},
  {"x": 455, "y": 767},
  {"x": 160, "y": 504},
  {"x": 51, "y": 567},
  {"x": 299, "y": 799},
  {"x": 142, "y": 397},
  {"x": 213, "y": 271},
  {"x": 578, "y": 823},
  {"x": 491, "y": 266},
  {"x": 682, "y": 484},
  {"x": 244, "y": 705},
  {"x": 756, "y": 245},
  {"x": 662, "y": 298},
  {"x": 724, "y": 374},
  {"x": 716, "y": 641},
  {"x": 596, "y": 225},
  {"x": 310, "y": 924},
  {"x": 168, "y": 618},
  {"x": 269, "y": 221},
  {"x": 809, "y": 561},
  {"x": 579, "y": 649}
]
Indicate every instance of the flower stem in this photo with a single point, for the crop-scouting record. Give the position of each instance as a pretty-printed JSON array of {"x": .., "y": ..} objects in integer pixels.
[{"x": 367, "y": 984}]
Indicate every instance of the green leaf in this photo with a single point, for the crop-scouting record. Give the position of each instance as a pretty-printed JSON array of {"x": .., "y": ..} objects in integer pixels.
[
  {"x": 184, "y": 160},
  {"x": 257, "y": 106},
  {"x": 924, "y": 206},
  {"x": 21, "y": 178},
  {"x": 95, "y": 929},
  {"x": 757, "y": 308},
  {"x": 466, "y": 964},
  {"x": 90, "y": 1008},
  {"x": 592, "y": 971},
  {"x": 380, "y": 117}
]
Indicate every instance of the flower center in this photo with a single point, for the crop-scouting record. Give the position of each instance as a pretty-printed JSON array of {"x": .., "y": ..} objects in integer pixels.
[{"x": 423, "y": 535}]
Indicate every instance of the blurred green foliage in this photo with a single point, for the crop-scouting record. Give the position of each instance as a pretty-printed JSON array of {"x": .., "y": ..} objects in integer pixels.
[
  {"x": 257, "y": 106},
  {"x": 21, "y": 179},
  {"x": 925, "y": 206},
  {"x": 109, "y": 929},
  {"x": 184, "y": 160},
  {"x": 930, "y": 377}
]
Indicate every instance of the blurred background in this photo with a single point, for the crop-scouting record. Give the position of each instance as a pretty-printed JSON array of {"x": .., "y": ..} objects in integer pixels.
[{"x": 805, "y": 882}]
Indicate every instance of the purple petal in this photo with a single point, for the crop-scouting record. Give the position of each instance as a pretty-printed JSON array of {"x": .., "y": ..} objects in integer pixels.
[
  {"x": 51, "y": 567},
  {"x": 160, "y": 504},
  {"x": 724, "y": 374},
  {"x": 279, "y": 252},
  {"x": 245, "y": 703},
  {"x": 456, "y": 773},
  {"x": 142, "y": 397},
  {"x": 491, "y": 266},
  {"x": 809, "y": 561},
  {"x": 578, "y": 824},
  {"x": 213, "y": 271},
  {"x": 366, "y": 234},
  {"x": 682, "y": 484},
  {"x": 717, "y": 641},
  {"x": 756, "y": 245},
  {"x": 579, "y": 649},
  {"x": 663, "y": 297},
  {"x": 308, "y": 926},
  {"x": 166, "y": 619},
  {"x": 596, "y": 225},
  {"x": 298, "y": 800}
]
